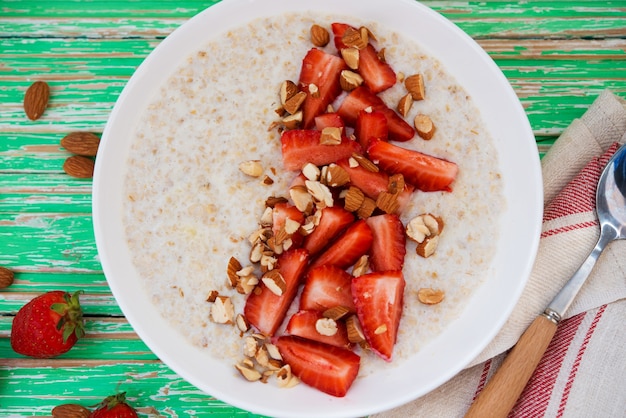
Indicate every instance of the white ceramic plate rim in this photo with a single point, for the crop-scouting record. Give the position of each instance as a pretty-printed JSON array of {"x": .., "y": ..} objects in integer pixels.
[{"x": 440, "y": 360}]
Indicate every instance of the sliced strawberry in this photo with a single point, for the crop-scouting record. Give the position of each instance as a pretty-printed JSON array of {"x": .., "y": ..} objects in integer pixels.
[
  {"x": 304, "y": 324},
  {"x": 389, "y": 245},
  {"x": 425, "y": 172},
  {"x": 323, "y": 70},
  {"x": 265, "y": 310},
  {"x": 325, "y": 367},
  {"x": 373, "y": 183},
  {"x": 280, "y": 214},
  {"x": 332, "y": 222},
  {"x": 347, "y": 249},
  {"x": 303, "y": 146},
  {"x": 378, "y": 298},
  {"x": 326, "y": 287},
  {"x": 362, "y": 98},
  {"x": 370, "y": 125},
  {"x": 328, "y": 120},
  {"x": 378, "y": 75}
]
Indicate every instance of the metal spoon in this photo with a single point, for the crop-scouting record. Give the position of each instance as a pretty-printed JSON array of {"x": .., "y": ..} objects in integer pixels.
[{"x": 504, "y": 388}]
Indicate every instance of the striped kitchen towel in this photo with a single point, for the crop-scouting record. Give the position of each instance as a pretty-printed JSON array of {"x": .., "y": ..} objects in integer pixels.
[{"x": 582, "y": 372}]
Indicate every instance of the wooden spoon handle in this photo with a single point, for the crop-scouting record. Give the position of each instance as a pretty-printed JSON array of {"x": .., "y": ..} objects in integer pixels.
[{"x": 505, "y": 387}]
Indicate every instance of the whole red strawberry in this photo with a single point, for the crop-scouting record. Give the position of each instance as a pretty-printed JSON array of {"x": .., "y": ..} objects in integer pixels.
[
  {"x": 114, "y": 406},
  {"x": 48, "y": 325}
]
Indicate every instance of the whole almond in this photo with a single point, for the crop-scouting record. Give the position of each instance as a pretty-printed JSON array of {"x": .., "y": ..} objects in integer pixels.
[
  {"x": 81, "y": 143},
  {"x": 79, "y": 166},
  {"x": 70, "y": 410},
  {"x": 319, "y": 36},
  {"x": 6, "y": 277},
  {"x": 36, "y": 99}
]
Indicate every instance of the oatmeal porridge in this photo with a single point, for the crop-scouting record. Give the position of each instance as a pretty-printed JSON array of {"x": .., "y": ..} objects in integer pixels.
[{"x": 189, "y": 208}]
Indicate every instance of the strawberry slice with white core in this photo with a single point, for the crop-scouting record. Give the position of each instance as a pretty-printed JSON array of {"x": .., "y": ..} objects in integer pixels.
[
  {"x": 266, "y": 310},
  {"x": 370, "y": 125},
  {"x": 301, "y": 146},
  {"x": 326, "y": 287},
  {"x": 362, "y": 98},
  {"x": 389, "y": 245},
  {"x": 323, "y": 366},
  {"x": 321, "y": 70},
  {"x": 348, "y": 248},
  {"x": 425, "y": 172},
  {"x": 378, "y": 75},
  {"x": 378, "y": 298},
  {"x": 333, "y": 221},
  {"x": 314, "y": 326}
]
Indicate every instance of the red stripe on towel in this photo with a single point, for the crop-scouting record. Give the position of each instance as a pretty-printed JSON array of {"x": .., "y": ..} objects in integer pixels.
[
  {"x": 579, "y": 357},
  {"x": 536, "y": 396}
]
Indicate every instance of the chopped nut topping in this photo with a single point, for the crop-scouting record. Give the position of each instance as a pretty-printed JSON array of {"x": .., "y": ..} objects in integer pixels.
[
  {"x": 293, "y": 104},
  {"x": 212, "y": 296},
  {"x": 311, "y": 171},
  {"x": 335, "y": 176},
  {"x": 415, "y": 86},
  {"x": 361, "y": 266},
  {"x": 430, "y": 296},
  {"x": 387, "y": 202},
  {"x": 396, "y": 184},
  {"x": 267, "y": 180},
  {"x": 353, "y": 37},
  {"x": 355, "y": 332},
  {"x": 331, "y": 136},
  {"x": 231, "y": 270},
  {"x": 367, "y": 208},
  {"x": 291, "y": 226},
  {"x": 365, "y": 163},
  {"x": 287, "y": 90},
  {"x": 381, "y": 329},
  {"x": 353, "y": 199},
  {"x": 274, "y": 282},
  {"x": 336, "y": 312},
  {"x": 349, "y": 80},
  {"x": 273, "y": 352},
  {"x": 293, "y": 121},
  {"x": 427, "y": 247},
  {"x": 248, "y": 373},
  {"x": 351, "y": 57},
  {"x": 404, "y": 105},
  {"x": 256, "y": 252},
  {"x": 423, "y": 226},
  {"x": 301, "y": 198},
  {"x": 272, "y": 201},
  {"x": 222, "y": 310},
  {"x": 320, "y": 193},
  {"x": 262, "y": 357},
  {"x": 326, "y": 326},
  {"x": 250, "y": 346},
  {"x": 424, "y": 126},
  {"x": 314, "y": 91},
  {"x": 252, "y": 168},
  {"x": 285, "y": 378},
  {"x": 242, "y": 323},
  {"x": 267, "y": 219},
  {"x": 319, "y": 36}
]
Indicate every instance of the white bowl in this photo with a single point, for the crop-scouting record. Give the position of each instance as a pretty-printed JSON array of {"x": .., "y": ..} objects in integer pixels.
[{"x": 460, "y": 342}]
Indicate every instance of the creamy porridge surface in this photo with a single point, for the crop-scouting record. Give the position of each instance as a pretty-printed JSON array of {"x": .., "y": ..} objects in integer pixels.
[{"x": 189, "y": 208}]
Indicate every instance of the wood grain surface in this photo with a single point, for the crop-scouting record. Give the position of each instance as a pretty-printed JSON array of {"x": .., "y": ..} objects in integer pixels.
[{"x": 558, "y": 56}]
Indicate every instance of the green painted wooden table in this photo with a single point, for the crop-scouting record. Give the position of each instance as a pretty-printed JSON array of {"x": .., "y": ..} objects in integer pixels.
[{"x": 557, "y": 55}]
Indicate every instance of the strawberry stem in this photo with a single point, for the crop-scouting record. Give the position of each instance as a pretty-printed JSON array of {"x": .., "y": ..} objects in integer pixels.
[{"x": 71, "y": 313}]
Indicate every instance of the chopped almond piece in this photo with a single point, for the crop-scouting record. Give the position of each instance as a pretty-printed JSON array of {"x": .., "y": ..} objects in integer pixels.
[
  {"x": 367, "y": 208},
  {"x": 387, "y": 202},
  {"x": 353, "y": 37},
  {"x": 424, "y": 126},
  {"x": 430, "y": 296},
  {"x": 427, "y": 247},
  {"x": 294, "y": 103},
  {"x": 331, "y": 136},
  {"x": 349, "y": 80},
  {"x": 354, "y": 199},
  {"x": 287, "y": 90},
  {"x": 415, "y": 86},
  {"x": 351, "y": 57},
  {"x": 404, "y": 105}
]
